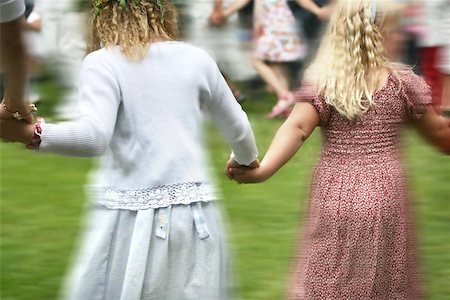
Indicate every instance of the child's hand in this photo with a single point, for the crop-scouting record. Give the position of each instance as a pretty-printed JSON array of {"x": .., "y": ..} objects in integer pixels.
[
  {"x": 233, "y": 164},
  {"x": 217, "y": 17},
  {"x": 245, "y": 174},
  {"x": 12, "y": 130}
]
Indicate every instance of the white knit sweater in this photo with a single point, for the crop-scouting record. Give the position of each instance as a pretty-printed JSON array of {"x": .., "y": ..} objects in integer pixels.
[{"x": 145, "y": 121}]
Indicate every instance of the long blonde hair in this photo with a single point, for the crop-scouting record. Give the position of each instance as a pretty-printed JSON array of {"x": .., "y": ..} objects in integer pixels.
[
  {"x": 132, "y": 27},
  {"x": 351, "y": 52}
]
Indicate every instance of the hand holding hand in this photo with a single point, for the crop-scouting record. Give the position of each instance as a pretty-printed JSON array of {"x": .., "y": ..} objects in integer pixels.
[
  {"x": 245, "y": 174},
  {"x": 7, "y": 110},
  {"x": 12, "y": 130}
]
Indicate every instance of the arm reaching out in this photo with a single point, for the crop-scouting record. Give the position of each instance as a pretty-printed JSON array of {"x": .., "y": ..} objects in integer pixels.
[
  {"x": 322, "y": 13},
  {"x": 436, "y": 130},
  {"x": 288, "y": 139},
  {"x": 235, "y": 6},
  {"x": 90, "y": 134},
  {"x": 13, "y": 63}
]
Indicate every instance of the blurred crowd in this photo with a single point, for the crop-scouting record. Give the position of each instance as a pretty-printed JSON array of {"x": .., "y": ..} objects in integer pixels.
[{"x": 270, "y": 40}]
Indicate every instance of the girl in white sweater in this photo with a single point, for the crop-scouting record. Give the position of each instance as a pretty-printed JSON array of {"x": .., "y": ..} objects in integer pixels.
[{"x": 154, "y": 231}]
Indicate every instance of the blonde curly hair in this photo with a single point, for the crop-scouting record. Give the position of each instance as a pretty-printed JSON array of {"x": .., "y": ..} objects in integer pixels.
[
  {"x": 132, "y": 27},
  {"x": 345, "y": 67}
]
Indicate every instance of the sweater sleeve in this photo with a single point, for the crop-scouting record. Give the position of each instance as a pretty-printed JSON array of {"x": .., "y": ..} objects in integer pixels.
[
  {"x": 230, "y": 118},
  {"x": 98, "y": 102}
]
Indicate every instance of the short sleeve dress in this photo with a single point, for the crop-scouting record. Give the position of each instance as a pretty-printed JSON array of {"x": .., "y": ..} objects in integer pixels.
[{"x": 358, "y": 241}]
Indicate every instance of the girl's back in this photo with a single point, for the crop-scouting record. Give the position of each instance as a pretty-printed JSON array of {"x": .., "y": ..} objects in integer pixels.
[
  {"x": 359, "y": 229},
  {"x": 376, "y": 136},
  {"x": 159, "y": 119},
  {"x": 148, "y": 116},
  {"x": 359, "y": 238}
]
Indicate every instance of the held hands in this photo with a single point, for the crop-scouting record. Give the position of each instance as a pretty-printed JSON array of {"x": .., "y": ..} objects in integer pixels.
[
  {"x": 6, "y": 111},
  {"x": 253, "y": 173},
  {"x": 12, "y": 130}
]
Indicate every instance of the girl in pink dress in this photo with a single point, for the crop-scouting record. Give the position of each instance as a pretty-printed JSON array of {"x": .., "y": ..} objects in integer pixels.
[
  {"x": 358, "y": 241},
  {"x": 277, "y": 40}
]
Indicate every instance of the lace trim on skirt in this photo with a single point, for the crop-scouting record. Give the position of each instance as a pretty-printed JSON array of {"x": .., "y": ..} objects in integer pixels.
[{"x": 156, "y": 197}]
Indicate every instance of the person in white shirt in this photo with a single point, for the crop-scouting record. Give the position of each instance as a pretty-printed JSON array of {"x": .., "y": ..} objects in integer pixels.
[
  {"x": 225, "y": 42},
  {"x": 13, "y": 61},
  {"x": 64, "y": 29},
  {"x": 35, "y": 49},
  {"x": 431, "y": 42},
  {"x": 154, "y": 229}
]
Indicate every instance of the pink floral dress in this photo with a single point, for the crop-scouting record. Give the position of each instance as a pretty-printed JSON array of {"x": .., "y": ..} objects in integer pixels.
[
  {"x": 358, "y": 242},
  {"x": 277, "y": 33}
]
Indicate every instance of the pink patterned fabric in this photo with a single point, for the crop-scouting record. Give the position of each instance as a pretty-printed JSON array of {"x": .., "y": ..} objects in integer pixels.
[
  {"x": 277, "y": 33},
  {"x": 358, "y": 240}
]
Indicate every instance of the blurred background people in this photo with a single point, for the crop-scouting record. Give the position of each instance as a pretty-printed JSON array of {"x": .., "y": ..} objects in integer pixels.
[
  {"x": 277, "y": 40},
  {"x": 64, "y": 35},
  {"x": 35, "y": 48},
  {"x": 432, "y": 41},
  {"x": 224, "y": 43}
]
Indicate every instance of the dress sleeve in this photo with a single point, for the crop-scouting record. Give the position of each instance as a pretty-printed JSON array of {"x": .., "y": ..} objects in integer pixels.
[
  {"x": 417, "y": 94},
  {"x": 98, "y": 101},
  {"x": 308, "y": 93},
  {"x": 229, "y": 117}
]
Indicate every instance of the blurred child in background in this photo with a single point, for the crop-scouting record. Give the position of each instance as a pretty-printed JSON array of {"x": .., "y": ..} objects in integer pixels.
[
  {"x": 36, "y": 49},
  {"x": 431, "y": 42},
  {"x": 154, "y": 230},
  {"x": 277, "y": 40},
  {"x": 359, "y": 238},
  {"x": 222, "y": 42}
]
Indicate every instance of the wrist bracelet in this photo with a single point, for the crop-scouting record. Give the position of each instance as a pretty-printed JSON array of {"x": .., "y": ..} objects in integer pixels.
[{"x": 17, "y": 115}]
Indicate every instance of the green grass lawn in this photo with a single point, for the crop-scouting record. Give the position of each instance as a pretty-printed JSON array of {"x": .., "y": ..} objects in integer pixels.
[{"x": 42, "y": 202}]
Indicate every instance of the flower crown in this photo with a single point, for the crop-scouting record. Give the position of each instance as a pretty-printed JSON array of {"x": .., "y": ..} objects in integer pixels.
[{"x": 99, "y": 4}]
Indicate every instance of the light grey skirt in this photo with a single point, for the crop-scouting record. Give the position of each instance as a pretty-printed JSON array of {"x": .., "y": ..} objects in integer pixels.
[{"x": 173, "y": 253}]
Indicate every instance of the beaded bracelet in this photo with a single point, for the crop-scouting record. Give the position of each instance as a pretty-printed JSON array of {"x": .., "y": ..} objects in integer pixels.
[
  {"x": 17, "y": 115},
  {"x": 36, "y": 138}
]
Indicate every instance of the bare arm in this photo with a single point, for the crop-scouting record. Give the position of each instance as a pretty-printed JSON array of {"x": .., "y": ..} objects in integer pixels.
[
  {"x": 322, "y": 13},
  {"x": 216, "y": 18},
  {"x": 309, "y": 5},
  {"x": 436, "y": 130},
  {"x": 13, "y": 63},
  {"x": 288, "y": 139},
  {"x": 235, "y": 6}
]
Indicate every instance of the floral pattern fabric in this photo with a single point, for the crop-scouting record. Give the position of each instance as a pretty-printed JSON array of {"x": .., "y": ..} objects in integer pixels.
[
  {"x": 277, "y": 33},
  {"x": 359, "y": 238}
]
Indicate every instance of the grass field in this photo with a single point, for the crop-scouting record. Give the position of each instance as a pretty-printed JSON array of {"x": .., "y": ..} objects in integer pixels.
[{"x": 42, "y": 201}]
